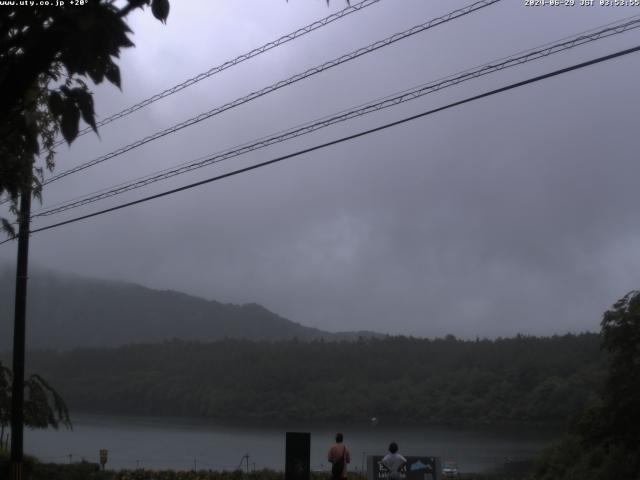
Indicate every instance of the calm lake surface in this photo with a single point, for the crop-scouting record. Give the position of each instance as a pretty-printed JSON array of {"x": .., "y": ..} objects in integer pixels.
[{"x": 149, "y": 442}]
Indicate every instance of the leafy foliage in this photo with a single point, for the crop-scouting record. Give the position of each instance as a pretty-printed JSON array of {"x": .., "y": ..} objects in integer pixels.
[
  {"x": 573, "y": 459},
  {"x": 5, "y": 465},
  {"x": 35, "y": 470},
  {"x": 43, "y": 406},
  {"x": 621, "y": 339},
  {"x": 46, "y": 55},
  {"x": 90, "y": 471},
  {"x": 264, "y": 474},
  {"x": 398, "y": 379},
  {"x": 605, "y": 442}
]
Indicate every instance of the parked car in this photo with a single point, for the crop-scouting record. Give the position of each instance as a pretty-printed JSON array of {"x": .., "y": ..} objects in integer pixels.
[{"x": 450, "y": 470}]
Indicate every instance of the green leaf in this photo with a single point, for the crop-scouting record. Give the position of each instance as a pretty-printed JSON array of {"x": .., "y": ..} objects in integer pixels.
[
  {"x": 160, "y": 9},
  {"x": 96, "y": 70},
  {"x": 55, "y": 104},
  {"x": 84, "y": 100},
  {"x": 7, "y": 227},
  {"x": 112, "y": 72},
  {"x": 70, "y": 120}
]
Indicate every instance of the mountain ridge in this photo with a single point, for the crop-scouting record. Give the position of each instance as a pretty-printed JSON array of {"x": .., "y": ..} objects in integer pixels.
[{"x": 67, "y": 311}]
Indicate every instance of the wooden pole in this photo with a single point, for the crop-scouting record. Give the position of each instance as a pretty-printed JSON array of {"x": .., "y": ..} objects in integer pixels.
[{"x": 19, "y": 335}]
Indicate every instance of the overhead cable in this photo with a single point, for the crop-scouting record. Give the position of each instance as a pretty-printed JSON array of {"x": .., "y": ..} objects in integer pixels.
[
  {"x": 405, "y": 96},
  {"x": 278, "y": 85},
  {"x": 342, "y": 139},
  {"x": 230, "y": 63}
]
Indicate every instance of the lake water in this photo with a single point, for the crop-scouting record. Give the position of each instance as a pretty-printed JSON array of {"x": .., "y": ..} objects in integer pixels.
[{"x": 181, "y": 444}]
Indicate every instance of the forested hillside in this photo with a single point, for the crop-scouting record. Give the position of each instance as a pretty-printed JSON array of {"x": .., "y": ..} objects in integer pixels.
[{"x": 395, "y": 379}]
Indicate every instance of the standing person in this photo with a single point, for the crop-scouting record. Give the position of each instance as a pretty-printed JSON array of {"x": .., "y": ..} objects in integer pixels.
[
  {"x": 395, "y": 463},
  {"x": 339, "y": 457}
]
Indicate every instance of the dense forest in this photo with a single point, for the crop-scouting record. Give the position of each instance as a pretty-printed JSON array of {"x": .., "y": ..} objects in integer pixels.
[{"x": 522, "y": 379}]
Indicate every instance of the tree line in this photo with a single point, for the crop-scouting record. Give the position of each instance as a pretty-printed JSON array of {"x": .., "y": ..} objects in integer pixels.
[
  {"x": 604, "y": 441},
  {"x": 399, "y": 379}
]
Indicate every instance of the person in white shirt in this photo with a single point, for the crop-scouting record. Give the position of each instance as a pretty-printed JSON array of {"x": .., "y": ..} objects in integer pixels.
[{"x": 394, "y": 462}]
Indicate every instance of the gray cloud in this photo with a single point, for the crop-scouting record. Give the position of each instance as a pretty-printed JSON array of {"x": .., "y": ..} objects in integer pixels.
[{"x": 513, "y": 214}]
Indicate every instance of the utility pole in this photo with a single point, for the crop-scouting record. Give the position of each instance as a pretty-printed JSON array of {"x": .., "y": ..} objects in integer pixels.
[{"x": 19, "y": 329}]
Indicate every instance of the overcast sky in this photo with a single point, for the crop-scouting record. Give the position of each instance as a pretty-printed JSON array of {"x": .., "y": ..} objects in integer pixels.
[{"x": 517, "y": 213}]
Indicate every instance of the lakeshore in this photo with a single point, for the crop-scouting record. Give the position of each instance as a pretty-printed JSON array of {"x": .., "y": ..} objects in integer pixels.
[{"x": 194, "y": 444}]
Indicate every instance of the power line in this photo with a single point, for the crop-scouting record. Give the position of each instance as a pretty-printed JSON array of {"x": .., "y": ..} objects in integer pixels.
[
  {"x": 344, "y": 139},
  {"x": 407, "y": 95},
  {"x": 224, "y": 66},
  {"x": 230, "y": 63},
  {"x": 278, "y": 85}
]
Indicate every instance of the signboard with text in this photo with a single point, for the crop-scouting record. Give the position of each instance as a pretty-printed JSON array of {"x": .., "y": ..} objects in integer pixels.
[{"x": 417, "y": 468}]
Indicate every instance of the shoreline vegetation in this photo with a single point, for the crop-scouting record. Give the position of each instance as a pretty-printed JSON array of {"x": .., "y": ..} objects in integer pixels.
[{"x": 36, "y": 470}]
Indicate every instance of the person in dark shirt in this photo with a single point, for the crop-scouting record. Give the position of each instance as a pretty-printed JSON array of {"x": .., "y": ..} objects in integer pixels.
[{"x": 339, "y": 457}]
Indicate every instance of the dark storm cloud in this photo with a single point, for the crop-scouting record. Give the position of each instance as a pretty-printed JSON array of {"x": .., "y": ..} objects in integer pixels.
[{"x": 512, "y": 214}]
